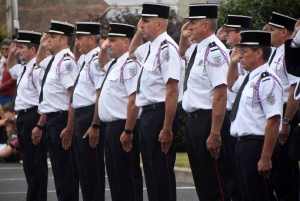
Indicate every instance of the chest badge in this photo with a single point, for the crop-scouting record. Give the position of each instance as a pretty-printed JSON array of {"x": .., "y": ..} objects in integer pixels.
[
  {"x": 252, "y": 85},
  {"x": 200, "y": 62}
]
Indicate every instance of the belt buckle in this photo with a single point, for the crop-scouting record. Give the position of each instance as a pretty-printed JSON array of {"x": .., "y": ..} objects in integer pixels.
[
  {"x": 238, "y": 138},
  {"x": 153, "y": 107}
]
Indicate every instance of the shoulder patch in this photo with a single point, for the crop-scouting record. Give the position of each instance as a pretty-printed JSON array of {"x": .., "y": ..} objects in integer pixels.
[
  {"x": 164, "y": 44},
  {"x": 166, "y": 55},
  {"x": 271, "y": 98},
  {"x": 213, "y": 47},
  {"x": 129, "y": 61}
]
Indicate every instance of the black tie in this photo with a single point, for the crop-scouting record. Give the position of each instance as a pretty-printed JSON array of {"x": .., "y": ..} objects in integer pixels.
[
  {"x": 44, "y": 78},
  {"x": 272, "y": 57},
  {"x": 188, "y": 70},
  {"x": 139, "y": 79},
  {"x": 75, "y": 83},
  {"x": 112, "y": 63},
  {"x": 15, "y": 94},
  {"x": 236, "y": 103}
]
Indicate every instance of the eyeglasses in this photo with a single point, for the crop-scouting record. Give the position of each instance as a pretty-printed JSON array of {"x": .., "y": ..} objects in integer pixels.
[{"x": 227, "y": 30}]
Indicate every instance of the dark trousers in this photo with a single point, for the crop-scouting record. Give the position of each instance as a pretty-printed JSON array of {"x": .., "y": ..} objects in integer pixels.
[
  {"x": 294, "y": 150},
  {"x": 286, "y": 169},
  {"x": 229, "y": 144},
  {"x": 253, "y": 186},
  {"x": 34, "y": 156},
  {"x": 158, "y": 167},
  {"x": 62, "y": 161},
  {"x": 90, "y": 161},
  {"x": 209, "y": 174},
  {"x": 123, "y": 169}
]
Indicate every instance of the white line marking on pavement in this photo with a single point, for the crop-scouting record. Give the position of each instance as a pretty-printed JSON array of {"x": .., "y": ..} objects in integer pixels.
[
  {"x": 178, "y": 188},
  {"x": 11, "y": 168},
  {"x": 18, "y": 179}
]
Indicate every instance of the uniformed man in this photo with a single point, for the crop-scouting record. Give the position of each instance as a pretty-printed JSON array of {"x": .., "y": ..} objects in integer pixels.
[
  {"x": 88, "y": 143},
  {"x": 60, "y": 74},
  {"x": 230, "y": 32},
  {"x": 25, "y": 104},
  {"x": 287, "y": 169},
  {"x": 159, "y": 90},
  {"x": 204, "y": 100},
  {"x": 122, "y": 155},
  {"x": 256, "y": 114}
]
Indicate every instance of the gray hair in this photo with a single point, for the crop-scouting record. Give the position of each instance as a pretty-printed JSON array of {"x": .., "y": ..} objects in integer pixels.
[{"x": 7, "y": 42}]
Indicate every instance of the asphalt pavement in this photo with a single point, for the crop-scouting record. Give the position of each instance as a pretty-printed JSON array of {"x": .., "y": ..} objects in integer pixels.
[{"x": 13, "y": 185}]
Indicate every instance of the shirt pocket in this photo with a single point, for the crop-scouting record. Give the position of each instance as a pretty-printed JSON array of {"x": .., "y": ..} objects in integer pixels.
[
  {"x": 248, "y": 104},
  {"x": 54, "y": 82},
  {"x": 113, "y": 83}
]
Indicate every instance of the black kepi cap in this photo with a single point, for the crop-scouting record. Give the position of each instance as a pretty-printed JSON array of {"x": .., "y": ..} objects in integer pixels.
[
  {"x": 121, "y": 30},
  {"x": 87, "y": 28},
  {"x": 203, "y": 10},
  {"x": 62, "y": 28},
  {"x": 239, "y": 21},
  {"x": 282, "y": 21},
  {"x": 255, "y": 38},
  {"x": 156, "y": 10},
  {"x": 25, "y": 36}
]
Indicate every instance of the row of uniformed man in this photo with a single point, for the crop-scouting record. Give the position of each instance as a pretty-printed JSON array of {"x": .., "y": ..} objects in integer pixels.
[{"x": 90, "y": 105}]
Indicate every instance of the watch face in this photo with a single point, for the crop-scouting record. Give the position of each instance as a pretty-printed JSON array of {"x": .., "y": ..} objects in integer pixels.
[{"x": 286, "y": 121}]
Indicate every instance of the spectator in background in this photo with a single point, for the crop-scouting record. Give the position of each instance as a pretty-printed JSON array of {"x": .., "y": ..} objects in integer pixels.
[
  {"x": 12, "y": 149},
  {"x": 7, "y": 84},
  {"x": 3, "y": 135}
]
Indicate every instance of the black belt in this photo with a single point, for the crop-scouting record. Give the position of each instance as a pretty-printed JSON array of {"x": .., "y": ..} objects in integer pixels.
[
  {"x": 115, "y": 122},
  {"x": 84, "y": 109},
  {"x": 194, "y": 115},
  {"x": 153, "y": 106},
  {"x": 26, "y": 110},
  {"x": 55, "y": 113},
  {"x": 247, "y": 137}
]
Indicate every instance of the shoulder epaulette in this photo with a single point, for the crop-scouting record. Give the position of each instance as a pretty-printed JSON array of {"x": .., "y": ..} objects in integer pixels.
[
  {"x": 213, "y": 46},
  {"x": 265, "y": 76},
  {"x": 66, "y": 57},
  {"x": 164, "y": 44},
  {"x": 129, "y": 60},
  {"x": 36, "y": 66}
]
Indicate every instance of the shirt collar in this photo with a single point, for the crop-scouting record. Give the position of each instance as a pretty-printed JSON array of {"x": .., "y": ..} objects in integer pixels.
[
  {"x": 123, "y": 58},
  {"x": 258, "y": 70},
  {"x": 91, "y": 53},
  {"x": 61, "y": 53},
  {"x": 30, "y": 63},
  {"x": 157, "y": 41},
  {"x": 206, "y": 41},
  {"x": 280, "y": 49}
]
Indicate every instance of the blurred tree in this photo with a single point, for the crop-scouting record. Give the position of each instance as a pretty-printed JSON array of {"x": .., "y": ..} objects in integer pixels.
[{"x": 260, "y": 10}]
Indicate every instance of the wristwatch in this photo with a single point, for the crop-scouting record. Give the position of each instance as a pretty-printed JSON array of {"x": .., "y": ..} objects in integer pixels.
[
  {"x": 129, "y": 132},
  {"x": 39, "y": 127},
  {"x": 286, "y": 121},
  {"x": 93, "y": 125}
]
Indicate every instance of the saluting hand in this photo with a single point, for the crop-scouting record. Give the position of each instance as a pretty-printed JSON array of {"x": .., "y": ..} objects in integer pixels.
[
  {"x": 13, "y": 48},
  {"x": 138, "y": 27},
  {"x": 266, "y": 27},
  {"x": 264, "y": 167},
  {"x": 235, "y": 56},
  {"x": 213, "y": 145},
  {"x": 93, "y": 134},
  {"x": 105, "y": 45},
  {"x": 126, "y": 141},
  {"x": 185, "y": 32},
  {"x": 36, "y": 136},
  {"x": 44, "y": 40},
  {"x": 284, "y": 134},
  {"x": 66, "y": 137},
  {"x": 297, "y": 26},
  {"x": 165, "y": 138},
  {"x": 221, "y": 33}
]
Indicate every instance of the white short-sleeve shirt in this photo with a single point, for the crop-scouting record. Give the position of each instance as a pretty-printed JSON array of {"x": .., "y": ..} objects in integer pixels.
[
  {"x": 61, "y": 76},
  {"x": 208, "y": 71},
  {"x": 29, "y": 86},
  {"x": 252, "y": 115},
  {"x": 119, "y": 85},
  {"x": 162, "y": 64},
  {"x": 90, "y": 79},
  {"x": 278, "y": 65}
]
